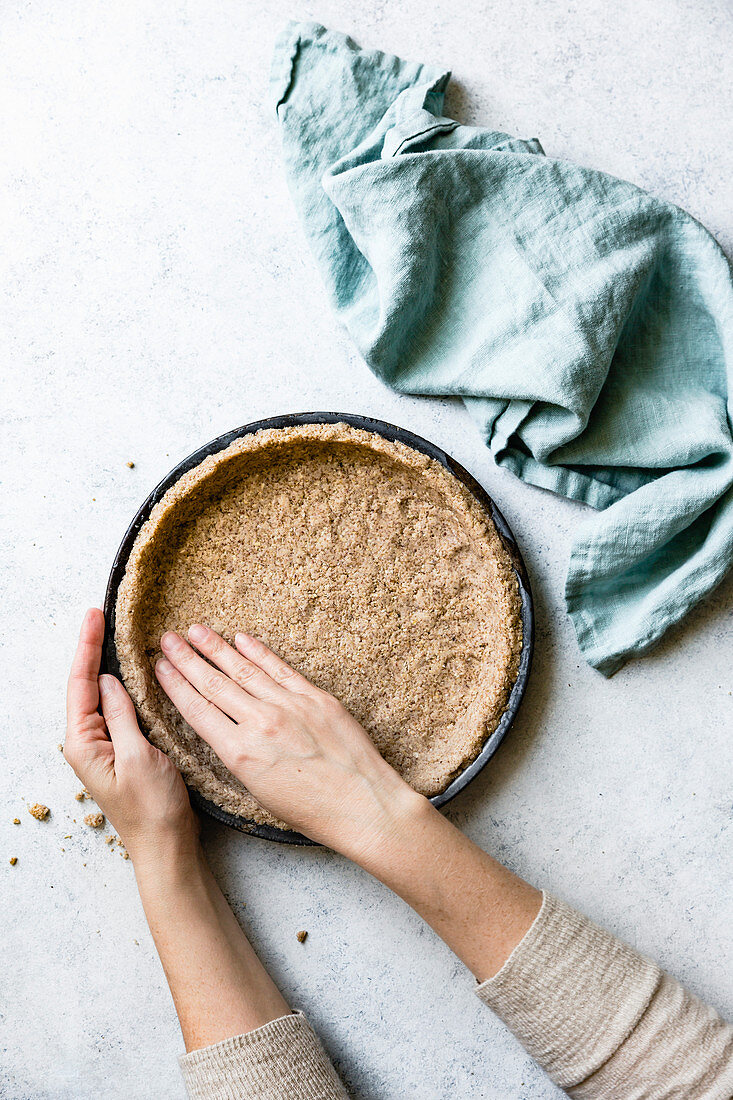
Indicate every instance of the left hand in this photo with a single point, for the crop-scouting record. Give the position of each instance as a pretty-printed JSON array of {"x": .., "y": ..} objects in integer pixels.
[{"x": 135, "y": 785}]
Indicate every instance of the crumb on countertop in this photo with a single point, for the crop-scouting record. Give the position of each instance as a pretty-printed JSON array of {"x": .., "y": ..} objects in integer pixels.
[
  {"x": 39, "y": 811},
  {"x": 131, "y": 465},
  {"x": 301, "y": 937},
  {"x": 16, "y": 821},
  {"x": 80, "y": 796},
  {"x": 13, "y": 861},
  {"x": 94, "y": 821}
]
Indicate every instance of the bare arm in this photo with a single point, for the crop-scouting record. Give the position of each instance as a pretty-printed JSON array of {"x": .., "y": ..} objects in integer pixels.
[
  {"x": 219, "y": 986},
  {"x": 603, "y": 1021},
  {"x": 477, "y": 906}
]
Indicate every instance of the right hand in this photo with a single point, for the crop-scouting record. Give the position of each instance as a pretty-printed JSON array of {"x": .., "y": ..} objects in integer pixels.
[
  {"x": 307, "y": 760},
  {"x": 295, "y": 747}
]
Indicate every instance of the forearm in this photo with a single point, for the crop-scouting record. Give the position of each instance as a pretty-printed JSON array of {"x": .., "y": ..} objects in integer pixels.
[
  {"x": 603, "y": 1021},
  {"x": 476, "y": 905},
  {"x": 219, "y": 986}
]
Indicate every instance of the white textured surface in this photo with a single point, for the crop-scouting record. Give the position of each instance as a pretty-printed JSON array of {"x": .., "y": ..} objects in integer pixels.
[{"x": 156, "y": 292}]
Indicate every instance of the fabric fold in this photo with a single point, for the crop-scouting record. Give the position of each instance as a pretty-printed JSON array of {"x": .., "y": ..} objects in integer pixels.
[{"x": 586, "y": 325}]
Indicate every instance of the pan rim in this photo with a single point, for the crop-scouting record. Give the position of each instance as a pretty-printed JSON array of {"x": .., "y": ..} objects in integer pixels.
[{"x": 393, "y": 433}]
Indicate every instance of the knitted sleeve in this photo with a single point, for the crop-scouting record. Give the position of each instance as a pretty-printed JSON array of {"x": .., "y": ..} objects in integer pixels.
[
  {"x": 603, "y": 1021},
  {"x": 280, "y": 1061}
]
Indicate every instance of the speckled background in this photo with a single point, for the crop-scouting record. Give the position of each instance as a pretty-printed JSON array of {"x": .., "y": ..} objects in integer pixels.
[{"x": 156, "y": 291}]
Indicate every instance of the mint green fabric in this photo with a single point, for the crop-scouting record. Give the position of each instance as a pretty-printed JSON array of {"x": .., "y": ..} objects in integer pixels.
[{"x": 587, "y": 325}]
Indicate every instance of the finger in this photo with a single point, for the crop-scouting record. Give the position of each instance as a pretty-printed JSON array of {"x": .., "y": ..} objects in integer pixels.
[
  {"x": 262, "y": 656},
  {"x": 119, "y": 714},
  {"x": 82, "y": 694},
  {"x": 208, "y": 722},
  {"x": 249, "y": 676},
  {"x": 82, "y": 697},
  {"x": 208, "y": 681},
  {"x": 86, "y": 744}
]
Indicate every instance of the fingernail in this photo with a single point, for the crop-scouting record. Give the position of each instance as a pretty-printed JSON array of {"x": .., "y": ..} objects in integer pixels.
[
  {"x": 241, "y": 638},
  {"x": 169, "y": 640},
  {"x": 198, "y": 633},
  {"x": 106, "y": 684},
  {"x": 164, "y": 666}
]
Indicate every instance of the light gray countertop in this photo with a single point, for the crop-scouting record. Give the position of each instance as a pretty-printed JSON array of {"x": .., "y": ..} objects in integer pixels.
[{"x": 157, "y": 291}]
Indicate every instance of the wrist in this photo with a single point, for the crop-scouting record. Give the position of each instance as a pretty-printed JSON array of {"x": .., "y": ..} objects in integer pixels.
[
  {"x": 398, "y": 814},
  {"x": 417, "y": 845},
  {"x": 164, "y": 856}
]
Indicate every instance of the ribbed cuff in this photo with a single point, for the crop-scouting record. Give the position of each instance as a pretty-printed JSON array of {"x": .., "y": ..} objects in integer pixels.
[
  {"x": 570, "y": 992},
  {"x": 279, "y": 1061}
]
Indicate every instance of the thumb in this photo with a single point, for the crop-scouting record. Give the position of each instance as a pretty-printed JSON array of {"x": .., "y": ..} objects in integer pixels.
[{"x": 119, "y": 714}]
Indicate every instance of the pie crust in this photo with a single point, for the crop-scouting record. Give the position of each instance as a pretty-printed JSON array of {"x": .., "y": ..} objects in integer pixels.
[{"x": 363, "y": 563}]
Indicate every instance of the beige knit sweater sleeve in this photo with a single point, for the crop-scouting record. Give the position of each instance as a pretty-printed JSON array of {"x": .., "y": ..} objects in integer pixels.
[
  {"x": 604, "y": 1022},
  {"x": 281, "y": 1061}
]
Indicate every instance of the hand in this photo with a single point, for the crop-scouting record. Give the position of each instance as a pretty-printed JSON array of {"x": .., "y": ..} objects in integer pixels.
[
  {"x": 298, "y": 751},
  {"x": 305, "y": 758},
  {"x": 136, "y": 786}
]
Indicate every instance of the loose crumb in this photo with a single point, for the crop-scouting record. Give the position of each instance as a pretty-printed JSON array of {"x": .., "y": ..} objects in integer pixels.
[
  {"x": 125, "y": 855},
  {"x": 85, "y": 792},
  {"x": 94, "y": 821},
  {"x": 80, "y": 796},
  {"x": 109, "y": 840},
  {"x": 131, "y": 465},
  {"x": 301, "y": 937},
  {"x": 39, "y": 811},
  {"x": 68, "y": 836},
  {"x": 16, "y": 821},
  {"x": 60, "y": 748},
  {"x": 13, "y": 861}
]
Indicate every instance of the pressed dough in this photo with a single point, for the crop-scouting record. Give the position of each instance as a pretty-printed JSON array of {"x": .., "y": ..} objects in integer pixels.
[{"x": 361, "y": 562}]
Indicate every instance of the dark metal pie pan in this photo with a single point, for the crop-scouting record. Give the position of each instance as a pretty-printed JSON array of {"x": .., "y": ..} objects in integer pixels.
[{"x": 394, "y": 434}]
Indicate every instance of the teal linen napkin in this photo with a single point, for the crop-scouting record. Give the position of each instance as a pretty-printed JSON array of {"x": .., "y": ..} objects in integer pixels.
[{"x": 587, "y": 325}]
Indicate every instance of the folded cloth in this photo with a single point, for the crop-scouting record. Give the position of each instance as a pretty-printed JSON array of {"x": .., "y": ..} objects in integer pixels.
[{"x": 587, "y": 325}]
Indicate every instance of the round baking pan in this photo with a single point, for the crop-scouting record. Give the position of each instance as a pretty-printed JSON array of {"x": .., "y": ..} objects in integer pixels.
[{"x": 394, "y": 434}]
